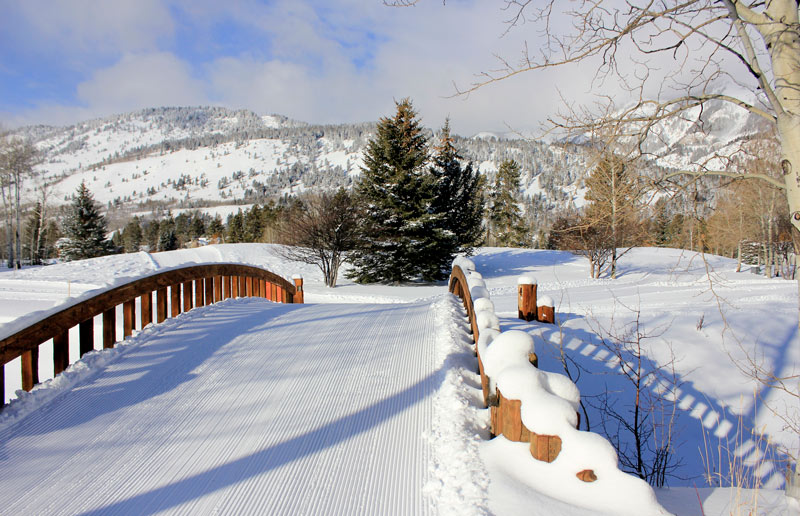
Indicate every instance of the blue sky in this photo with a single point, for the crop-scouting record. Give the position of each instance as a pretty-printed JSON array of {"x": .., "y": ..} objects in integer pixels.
[{"x": 63, "y": 61}]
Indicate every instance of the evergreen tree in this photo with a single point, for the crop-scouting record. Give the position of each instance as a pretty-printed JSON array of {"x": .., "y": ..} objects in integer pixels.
[
  {"x": 84, "y": 229},
  {"x": 235, "y": 228},
  {"x": 506, "y": 228},
  {"x": 215, "y": 227},
  {"x": 397, "y": 191},
  {"x": 132, "y": 236},
  {"x": 167, "y": 235},
  {"x": 459, "y": 201}
]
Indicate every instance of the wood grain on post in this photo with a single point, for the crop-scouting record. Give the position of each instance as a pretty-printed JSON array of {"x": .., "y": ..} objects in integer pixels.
[
  {"x": 273, "y": 292},
  {"x": 2, "y": 386},
  {"x": 86, "y": 336},
  {"x": 227, "y": 283},
  {"x": 109, "y": 327},
  {"x": 60, "y": 352},
  {"x": 242, "y": 286},
  {"x": 187, "y": 295},
  {"x": 235, "y": 287},
  {"x": 161, "y": 305},
  {"x": 545, "y": 447},
  {"x": 30, "y": 369},
  {"x": 147, "y": 309},
  {"x": 509, "y": 419},
  {"x": 198, "y": 292},
  {"x": 248, "y": 284},
  {"x": 175, "y": 300},
  {"x": 547, "y": 314},
  {"x": 128, "y": 317},
  {"x": 526, "y": 302}
]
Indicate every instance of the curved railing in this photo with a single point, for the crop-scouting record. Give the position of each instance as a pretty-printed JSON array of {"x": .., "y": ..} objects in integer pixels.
[
  {"x": 459, "y": 286},
  {"x": 185, "y": 288}
]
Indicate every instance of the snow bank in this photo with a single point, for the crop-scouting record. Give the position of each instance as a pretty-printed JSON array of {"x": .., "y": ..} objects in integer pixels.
[{"x": 526, "y": 280}]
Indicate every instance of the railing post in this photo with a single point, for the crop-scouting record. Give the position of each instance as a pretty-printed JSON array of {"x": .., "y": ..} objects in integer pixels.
[
  {"x": 273, "y": 292},
  {"x": 187, "y": 296},
  {"x": 2, "y": 386},
  {"x": 161, "y": 305},
  {"x": 208, "y": 288},
  {"x": 60, "y": 352},
  {"x": 227, "y": 283},
  {"x": 109, "y": 328},
  {"x": 526, "y": 298},
  {"x": 262, "y": 290},
  {"x": 86, "y": 331},
  {"x": 30, "y": 368},
  {"x": 217, "y": 290},
  {"x": 298, "y": 285},
  {"x": 147, "y": 308},
  {"x": 235, "y": 287},
  {"x": 175, "y": 300},
  {"x": 128, "y": 317},
  {"x": 199, "y": 290},
  {"x": 546, "y": 310}
]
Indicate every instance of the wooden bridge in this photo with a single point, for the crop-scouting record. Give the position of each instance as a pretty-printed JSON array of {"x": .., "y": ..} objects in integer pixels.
[{"x": 250, "y": 407}]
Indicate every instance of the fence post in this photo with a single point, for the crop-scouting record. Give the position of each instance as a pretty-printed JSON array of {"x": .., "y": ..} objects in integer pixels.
[
  {"x": 187, "y": 296},
  {"x": 298, "y": 285},
  {"x": 546, "y": 309},
  {"x": 526, "y": 298}
]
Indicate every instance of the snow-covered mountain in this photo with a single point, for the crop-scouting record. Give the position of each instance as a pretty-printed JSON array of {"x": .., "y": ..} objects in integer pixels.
[{"x": 199, "y": 156}]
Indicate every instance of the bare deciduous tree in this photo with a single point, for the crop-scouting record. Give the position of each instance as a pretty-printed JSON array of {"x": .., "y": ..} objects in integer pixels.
[
  {"x": 17, "y": 158},
  {"x": 321, "y": 231}
]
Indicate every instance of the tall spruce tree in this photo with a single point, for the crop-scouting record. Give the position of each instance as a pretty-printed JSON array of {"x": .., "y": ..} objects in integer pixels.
[
  {"x": 506, "y": 228},
  {"x": 397, "y": 190},
  {"x": 84, "y": 229},
  {"x": 459, "y": 200}
]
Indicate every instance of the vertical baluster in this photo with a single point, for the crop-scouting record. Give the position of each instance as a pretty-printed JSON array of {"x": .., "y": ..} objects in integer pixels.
[
  {"x": 86, "y": 331},
  {"x": 128, "y": 318},
  {"x": 147, "y": 309},
  {"x": 187, "y": 296},
  {"x": 175, "y": 300},
  {"x": 209, "y": 290},
  {"x": 60, "y": 352},
  {"x": 161, "y": 305},
  {"x": 235, "y": 286},
  {"x": 30, "y": 368},
  {"x": 217, "y": 289},
  {"x": 109, "y": 328},
  {"x": 198, "y": 293}
]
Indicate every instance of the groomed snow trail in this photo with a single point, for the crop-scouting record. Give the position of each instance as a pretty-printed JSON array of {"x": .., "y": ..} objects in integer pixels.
[{"x": 244, "y": 407}]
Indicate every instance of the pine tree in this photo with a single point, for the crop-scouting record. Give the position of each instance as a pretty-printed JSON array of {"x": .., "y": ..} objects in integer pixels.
[
  {"x": 506, "y": 228},
  {"x": 397, "y": 191},
  {"x": 459, "y": 200},
  {"x": 84, "y": 229},
  {"x": 132, "y": 236}
]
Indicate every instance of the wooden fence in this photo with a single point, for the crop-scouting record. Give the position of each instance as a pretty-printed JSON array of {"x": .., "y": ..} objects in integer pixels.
[{"x": 185, "y": 287}]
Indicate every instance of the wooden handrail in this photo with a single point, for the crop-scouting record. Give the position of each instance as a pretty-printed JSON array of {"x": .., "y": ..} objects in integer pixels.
[
  {"x": 459, "y": 286},
  {"x": 208, "y": 288}
]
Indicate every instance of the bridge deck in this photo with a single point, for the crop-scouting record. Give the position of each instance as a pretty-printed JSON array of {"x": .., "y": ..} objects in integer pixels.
[{"x": 242, "y": 407}]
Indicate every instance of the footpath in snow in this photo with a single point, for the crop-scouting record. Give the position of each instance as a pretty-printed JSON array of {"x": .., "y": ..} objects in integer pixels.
[{"x": 245, "y": 407}]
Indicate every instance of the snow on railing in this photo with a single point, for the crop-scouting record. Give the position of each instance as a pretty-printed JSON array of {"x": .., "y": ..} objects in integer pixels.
[
  {"x": 530, "y": 405},
  {"x": 178, "y": 289}
]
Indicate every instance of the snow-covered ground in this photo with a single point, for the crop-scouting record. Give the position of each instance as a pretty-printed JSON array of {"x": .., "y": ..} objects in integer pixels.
[{"x": 711, "y": 320}]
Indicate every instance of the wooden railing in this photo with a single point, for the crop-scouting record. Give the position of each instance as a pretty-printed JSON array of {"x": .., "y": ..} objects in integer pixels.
[{"x": 185, "y": 287}]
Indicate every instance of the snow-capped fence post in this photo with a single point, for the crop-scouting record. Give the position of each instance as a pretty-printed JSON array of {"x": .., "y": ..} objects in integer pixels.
[
  {"x": 546, "y": 309},
  {"x": 25, "y": 342},
  {"x": 526, "y": 298},
  {"x": 545, "y": 447},
  {"x": 507, "y": 420}
]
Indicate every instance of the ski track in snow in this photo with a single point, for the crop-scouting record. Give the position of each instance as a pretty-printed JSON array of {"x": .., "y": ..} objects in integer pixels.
[{"x": 241, "y": 408}]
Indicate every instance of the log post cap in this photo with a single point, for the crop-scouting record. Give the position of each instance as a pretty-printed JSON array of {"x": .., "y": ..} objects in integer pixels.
[{"x": 545, "y": 301}]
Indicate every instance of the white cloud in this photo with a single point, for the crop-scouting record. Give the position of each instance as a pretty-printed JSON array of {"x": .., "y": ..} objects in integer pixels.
[{"x": 142, "y": 80}]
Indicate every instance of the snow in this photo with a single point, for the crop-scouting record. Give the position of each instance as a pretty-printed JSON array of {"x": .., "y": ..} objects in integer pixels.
[{"x": 696, "y": 309}]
